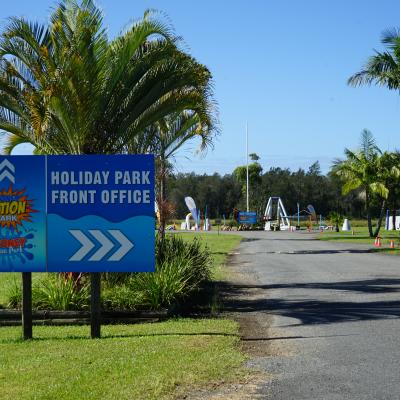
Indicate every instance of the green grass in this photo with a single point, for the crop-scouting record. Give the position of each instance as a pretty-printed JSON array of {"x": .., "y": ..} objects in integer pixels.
[
  {"x": 361, "y": 236},
  {"x": 145, "y": 361},
  {"x": 219, "y": 246}
]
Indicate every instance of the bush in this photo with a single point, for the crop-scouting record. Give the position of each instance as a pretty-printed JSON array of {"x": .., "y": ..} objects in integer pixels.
[
  {"x": 14, "y": 294},
  {"x": 191, "y": 255},
  {"x": 52, "y": 292},
  {"x": 56, "y": 292},
  {"x": 181, "y": 268}
]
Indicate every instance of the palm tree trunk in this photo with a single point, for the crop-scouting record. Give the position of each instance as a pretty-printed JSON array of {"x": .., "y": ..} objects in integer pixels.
[
  {"x": 162, "y": 197},
  {"x": 367, "y": 205},
  {"x": 378, "y": 227},
  {"x": 394, "y": 219}
]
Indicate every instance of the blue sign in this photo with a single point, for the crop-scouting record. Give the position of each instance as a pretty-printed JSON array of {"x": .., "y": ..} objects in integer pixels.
[
  {"x": 247, "y": 217},
  {"x": 100, "y": 212},
  {"x": 22, "y": 214}
]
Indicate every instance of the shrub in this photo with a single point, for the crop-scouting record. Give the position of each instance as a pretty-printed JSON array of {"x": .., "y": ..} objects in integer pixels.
[
  {"x": 14, "y": 294},
  {"x": 57, "y": 292},
  {"x": 110, "y": 279},
  {"x": 52, "y": 292},
  {"x": 185, "y": 254},
  {"x": 181, "y": 268},
  {"x": 121, "y": 297}
]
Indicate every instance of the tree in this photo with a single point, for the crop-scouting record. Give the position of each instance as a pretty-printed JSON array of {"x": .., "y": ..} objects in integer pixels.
[
  {"x": 255, "y": 179},
  {"x": 66, "y": 89},
  {"x": 335, "y": 219},
  {"x": 383, "y": 68},
  {"x": 169, "y": 135},
  {"x": 362, "y": 170},
  {"x": 390, "y": 170}
]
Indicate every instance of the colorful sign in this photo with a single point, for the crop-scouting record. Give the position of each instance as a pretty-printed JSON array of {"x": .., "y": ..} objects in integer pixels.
[
  {"x": 22, "y": 214},
  {"x": 99, "y": 211},
  {"x": 247, "y": 217}
]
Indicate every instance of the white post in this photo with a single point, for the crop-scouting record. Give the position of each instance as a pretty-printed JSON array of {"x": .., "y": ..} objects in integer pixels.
[{"x": 247, "y": 167}]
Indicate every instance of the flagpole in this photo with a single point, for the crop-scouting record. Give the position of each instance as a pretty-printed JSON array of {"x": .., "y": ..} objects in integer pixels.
[{"x": 247, "y": 167}]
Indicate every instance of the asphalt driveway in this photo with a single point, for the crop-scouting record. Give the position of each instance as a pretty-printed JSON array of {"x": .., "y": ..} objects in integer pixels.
[{"x": 333, "y": 316}]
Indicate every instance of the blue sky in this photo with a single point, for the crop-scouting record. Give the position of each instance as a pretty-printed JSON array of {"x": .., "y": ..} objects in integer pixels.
[{"x": 281, "y": 66}]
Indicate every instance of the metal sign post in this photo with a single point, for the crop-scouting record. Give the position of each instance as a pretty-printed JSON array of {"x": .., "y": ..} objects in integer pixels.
[
  {"x": 95, "y": 305},
  {"x": 27, "y": 305}
]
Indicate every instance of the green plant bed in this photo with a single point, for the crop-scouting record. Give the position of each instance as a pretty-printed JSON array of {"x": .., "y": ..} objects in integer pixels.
[
  {"x": 184, "y": 264},
  {"x": 145, "y": 361}
]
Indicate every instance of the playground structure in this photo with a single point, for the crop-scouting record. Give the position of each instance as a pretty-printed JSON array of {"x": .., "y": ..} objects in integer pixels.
[{"x": 275, "y": 215}]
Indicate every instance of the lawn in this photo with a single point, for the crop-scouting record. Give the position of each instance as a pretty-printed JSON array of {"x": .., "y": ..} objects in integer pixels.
[
  {"x": 143, "y": 361},
  {"x": 360, "y": 235}
]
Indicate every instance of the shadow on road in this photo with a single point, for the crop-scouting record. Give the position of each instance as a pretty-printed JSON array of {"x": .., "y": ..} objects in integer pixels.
[
  {"x": 331, "y": 251},
  {"x": 315, "y": 311},
  {"x": 312, "y": 252}
]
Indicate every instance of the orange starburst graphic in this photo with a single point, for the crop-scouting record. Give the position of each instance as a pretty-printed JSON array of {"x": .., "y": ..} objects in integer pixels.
[{"x": 15, "y": 207}]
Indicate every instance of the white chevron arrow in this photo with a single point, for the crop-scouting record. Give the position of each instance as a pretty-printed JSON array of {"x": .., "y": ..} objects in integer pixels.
[
  {"x": 106, "y": 245},
  {"x": 7, "y": 174},
  {"x": 5, "y": 163},
  {"x": 126, "y": 245},
  {"x": 87, "y": 245}
]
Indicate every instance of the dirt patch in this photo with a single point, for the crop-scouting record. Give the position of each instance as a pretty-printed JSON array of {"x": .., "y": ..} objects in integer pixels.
[
  {"x": 257, "y": 338},
  {"x": 248, "y": 389}
]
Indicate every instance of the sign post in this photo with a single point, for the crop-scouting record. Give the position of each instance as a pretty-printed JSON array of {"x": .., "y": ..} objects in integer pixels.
[
  {"x": 89, "y": 213},
  {"x": 95, "y": 305},
  {"x": 27, "y": 305}
]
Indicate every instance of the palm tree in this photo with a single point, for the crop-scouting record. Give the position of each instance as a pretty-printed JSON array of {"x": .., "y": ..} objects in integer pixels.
[
  {"x": 66, "y": 89},
  {"x": 335, "y": 219},
  {"x": 383, "y": 68},
  {"x": 362, "y": 170},
  {"x": 390, "y": 170},
  {"x": 169, "y": 135}
]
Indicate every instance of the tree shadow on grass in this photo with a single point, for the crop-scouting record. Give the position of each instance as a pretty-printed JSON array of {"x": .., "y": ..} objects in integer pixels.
[{"x": 116, "y": 336}]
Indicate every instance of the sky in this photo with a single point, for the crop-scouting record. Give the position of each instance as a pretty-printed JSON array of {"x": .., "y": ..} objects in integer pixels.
[{"x": 279, "y": 66}]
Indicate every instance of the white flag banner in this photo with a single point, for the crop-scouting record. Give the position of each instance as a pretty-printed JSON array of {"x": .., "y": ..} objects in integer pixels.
[
  {"x": 191, "y": 205},
  {"x": 311, "y": 210}
]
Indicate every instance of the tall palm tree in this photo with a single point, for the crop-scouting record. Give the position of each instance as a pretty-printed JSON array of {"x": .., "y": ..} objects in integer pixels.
[
  {"x": 383, "y": 68},
  {"x": 362, "y": 170},
  {"x": 169, "y": 135},
  {"x": 65, "y": 88},
  {"x": 390, "y": 171}
]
